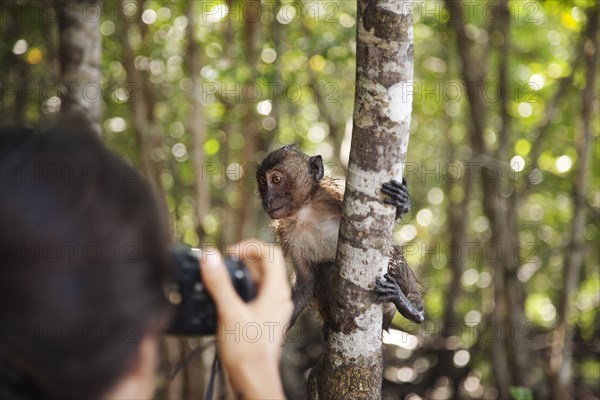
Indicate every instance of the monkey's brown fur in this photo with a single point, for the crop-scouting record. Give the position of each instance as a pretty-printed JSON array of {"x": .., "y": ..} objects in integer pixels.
[{"x": 306, "y": 209}]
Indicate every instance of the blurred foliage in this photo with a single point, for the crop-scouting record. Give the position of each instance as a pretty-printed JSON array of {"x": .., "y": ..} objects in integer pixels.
[
  {"x": 299, "y": 87},
  {"x": 521, "y": 393}
]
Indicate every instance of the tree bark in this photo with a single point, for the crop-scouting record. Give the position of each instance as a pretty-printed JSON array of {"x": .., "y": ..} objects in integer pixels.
[
  {"x": 79, "y": 53},
  {"x": 562, "y": 348},
  {"x": 352, "y": 365}
]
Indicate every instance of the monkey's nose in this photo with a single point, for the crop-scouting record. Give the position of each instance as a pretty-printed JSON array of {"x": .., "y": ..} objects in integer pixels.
[{"x": 270, "y": 202}]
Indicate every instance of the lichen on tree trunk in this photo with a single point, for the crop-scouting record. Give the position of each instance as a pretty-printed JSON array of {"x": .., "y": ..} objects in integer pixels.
[{"x": 352, "y": 366}]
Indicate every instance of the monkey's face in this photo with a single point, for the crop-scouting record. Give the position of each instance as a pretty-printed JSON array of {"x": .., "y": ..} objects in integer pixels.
[
  {"x": 286, "y": 177},
  {"x": 276, "y": 191}
]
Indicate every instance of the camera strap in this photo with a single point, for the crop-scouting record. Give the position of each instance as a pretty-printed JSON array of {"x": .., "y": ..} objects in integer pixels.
[{"x": 210, "y": 389}]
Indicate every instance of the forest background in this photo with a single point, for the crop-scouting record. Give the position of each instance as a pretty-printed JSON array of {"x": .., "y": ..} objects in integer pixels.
[{"x": 503, "y": 162}]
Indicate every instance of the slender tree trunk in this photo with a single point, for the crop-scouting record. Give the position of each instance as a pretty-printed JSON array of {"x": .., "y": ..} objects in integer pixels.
[
  {"x": 79, "y": 53},
  {"x": 229, "y": 229},
  {"x": 196, "y": 372},
  {"x": 509, "y": 354},
  {"x": 505, "y": 212},
  {"x": 473, "y": 73},
  {"x": 562, "y": 347},
  {"x": 352, "y": 365},
  {"x": 458, "y": 217},
  {"x": 142, "y": 106},
  {"x": 250, "y": 127},
  {"x": 457, "y": 230},
  {"x": 147, "y": 139},
  {"x": 195, "y": 123}
]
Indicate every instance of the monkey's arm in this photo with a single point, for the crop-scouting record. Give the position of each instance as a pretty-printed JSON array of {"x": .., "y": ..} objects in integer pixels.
[
  {"x": 302, "y": 294},
  {"x": 401, "y": 287},
  {"x": 398, "y": 196}
]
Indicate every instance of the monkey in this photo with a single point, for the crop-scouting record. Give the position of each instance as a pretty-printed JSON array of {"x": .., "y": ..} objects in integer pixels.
[{"x": 306, "y": 209}]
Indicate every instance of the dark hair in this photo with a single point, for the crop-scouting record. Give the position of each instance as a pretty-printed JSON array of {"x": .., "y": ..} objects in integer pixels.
[{"x": 84, "y": 258}]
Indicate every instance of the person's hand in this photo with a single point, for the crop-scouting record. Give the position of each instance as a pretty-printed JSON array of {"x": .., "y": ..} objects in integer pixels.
[{"x": 250, "y": 335}]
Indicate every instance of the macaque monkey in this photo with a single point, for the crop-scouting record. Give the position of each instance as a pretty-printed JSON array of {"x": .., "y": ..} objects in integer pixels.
[{"x": 306, "y": 209}]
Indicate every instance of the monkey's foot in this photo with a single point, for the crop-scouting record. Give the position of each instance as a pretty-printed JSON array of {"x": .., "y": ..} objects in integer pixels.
[
  {"x": 388, "y": 290},
  {"x": 398, "y": 196}
]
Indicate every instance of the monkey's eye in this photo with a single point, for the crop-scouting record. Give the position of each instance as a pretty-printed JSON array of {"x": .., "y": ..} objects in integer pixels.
[
  {"x": 276, "y": 179},
  {"x": 262, "y": 181}
]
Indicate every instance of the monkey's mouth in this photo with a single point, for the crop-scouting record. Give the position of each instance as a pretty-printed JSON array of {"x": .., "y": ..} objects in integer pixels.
[{"x": 273, "y": 212}]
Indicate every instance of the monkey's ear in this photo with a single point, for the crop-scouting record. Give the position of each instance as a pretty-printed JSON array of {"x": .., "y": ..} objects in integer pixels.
[{"x": 316, "y": 167}]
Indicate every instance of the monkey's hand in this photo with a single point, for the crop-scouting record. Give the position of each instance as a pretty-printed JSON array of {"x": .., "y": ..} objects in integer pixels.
[
  {"x": 388, "y": 290},
  {"x": 397, "y": 196}
]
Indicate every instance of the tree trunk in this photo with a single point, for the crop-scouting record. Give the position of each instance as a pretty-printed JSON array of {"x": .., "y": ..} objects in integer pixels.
[
  {"x": 195, "y": 373},
  {"x": 80, "y": 50},
  {"x": 250, "y": 126},
  {"x": 562, "y": 348},
  {"x": 228, "y": 230},
  {"x": 502, "y": 212},
  {"x": 196, "y": 125},
  {"x": 509, "y": 356},
  {"x": 352, "y": 365},
  {"x": 142, "y": 106},
  {"x": 473, "y": 75}
]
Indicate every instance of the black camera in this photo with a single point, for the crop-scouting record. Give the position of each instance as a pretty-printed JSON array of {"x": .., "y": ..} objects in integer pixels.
[{"x": 195, "y": 312}]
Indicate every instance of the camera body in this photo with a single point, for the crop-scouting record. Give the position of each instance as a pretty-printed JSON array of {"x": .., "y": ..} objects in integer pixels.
[{"x": 195, "y": 312}]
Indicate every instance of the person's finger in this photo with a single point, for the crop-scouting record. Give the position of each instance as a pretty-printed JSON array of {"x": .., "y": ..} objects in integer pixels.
[
  {"x": 268, "y": 259},
  {"x": 218, "y": 282},
  {"x": 238, "y": 250},
  {"x": 257, "y": 256}
]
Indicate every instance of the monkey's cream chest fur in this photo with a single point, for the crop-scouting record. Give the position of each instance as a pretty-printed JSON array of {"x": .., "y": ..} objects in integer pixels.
[{"x": 309, "y": 237}]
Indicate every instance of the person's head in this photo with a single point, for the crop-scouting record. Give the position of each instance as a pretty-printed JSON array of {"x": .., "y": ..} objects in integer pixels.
[{"x": 84, "y": 255}]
